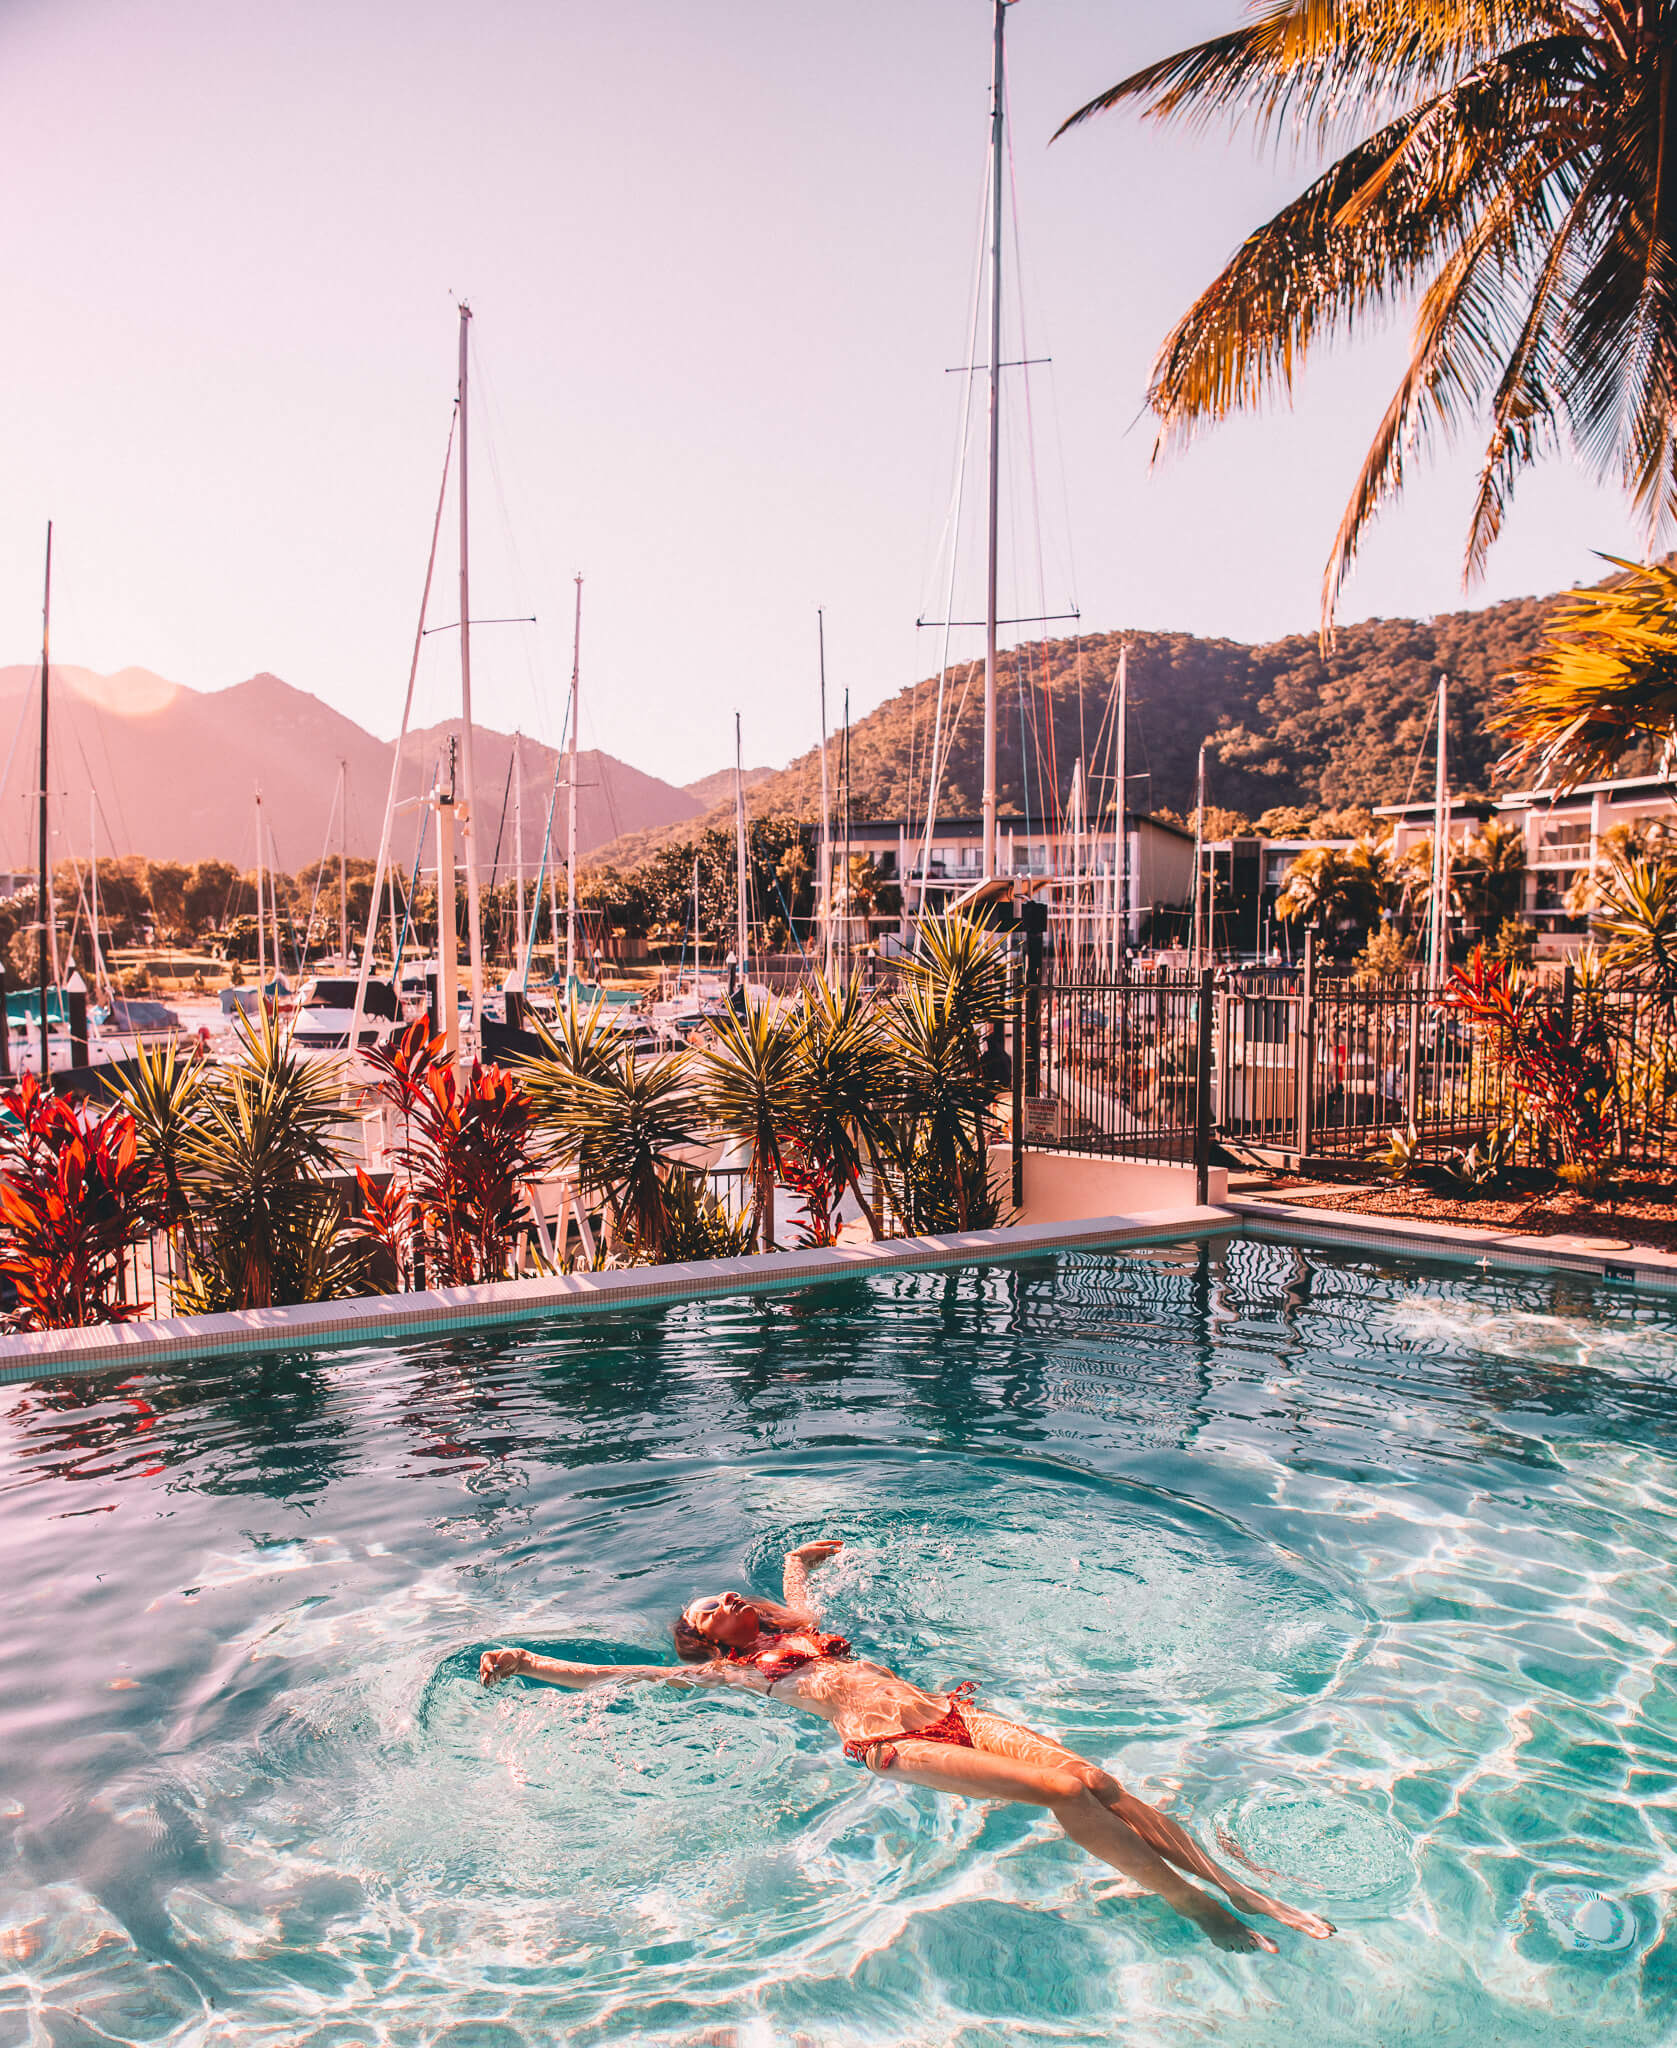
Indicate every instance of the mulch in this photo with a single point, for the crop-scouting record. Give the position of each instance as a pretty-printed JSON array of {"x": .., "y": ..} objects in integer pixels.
[{"x": 1639, "y": 1209}]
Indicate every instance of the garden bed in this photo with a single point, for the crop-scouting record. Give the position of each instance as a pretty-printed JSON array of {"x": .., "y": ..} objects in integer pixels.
[{"x": 1639, "y": 1209}]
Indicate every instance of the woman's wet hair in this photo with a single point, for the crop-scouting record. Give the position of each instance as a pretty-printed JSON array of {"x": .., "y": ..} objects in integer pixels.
[{"x": 693, "y": 1648}]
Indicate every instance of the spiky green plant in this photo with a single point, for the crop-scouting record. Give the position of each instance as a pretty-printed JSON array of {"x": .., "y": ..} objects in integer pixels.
[
  {"x": 253, "y": 1162},
  {"x": 619, "y": 1123},
  {"x": 751, "y": 1083},
  {"x": 1634, "y": 909},
  {"x": 937, "y": 1146},
  {"x": 1603, "y": 683},
  {"x": 1512, "y": 171},
  {"x": 849, "y": 1085},
  {"x": 963, "y": 962}
]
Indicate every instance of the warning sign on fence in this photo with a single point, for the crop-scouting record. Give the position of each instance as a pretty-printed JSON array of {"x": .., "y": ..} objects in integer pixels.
[{"x": 1042, "y": 1119}]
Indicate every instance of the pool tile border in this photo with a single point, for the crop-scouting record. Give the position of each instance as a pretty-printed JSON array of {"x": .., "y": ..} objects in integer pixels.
[
  {"x": 1465, "y": 1243},
  {"x": 141, "y": 1346}
]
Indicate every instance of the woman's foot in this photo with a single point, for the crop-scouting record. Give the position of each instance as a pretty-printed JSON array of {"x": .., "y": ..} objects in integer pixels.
[
  {"x": 1289, "y": 1916},
  {"x": 1232, "y": 1934}
]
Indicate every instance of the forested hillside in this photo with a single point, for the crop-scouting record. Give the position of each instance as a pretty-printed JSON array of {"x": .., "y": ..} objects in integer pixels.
[{"x": 1288, "y": 724}]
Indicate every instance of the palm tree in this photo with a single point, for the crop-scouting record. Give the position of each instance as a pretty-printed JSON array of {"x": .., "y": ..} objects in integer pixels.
[
  {"x": 620, "y": 1124},
  {"x": 1513, "y": 171},
  {"x": 253, "y": 1160},
  {"x": 942, "y": 1093},
  {"x": 751, "y": 1083},
  {"x": 963, "y": 961},
  {"x": 1489, "y": 879},
  {"x": 1603, "y": 684},
  {"x": 1329, "y": 889},
  {"x": 848, "y": 1085}
]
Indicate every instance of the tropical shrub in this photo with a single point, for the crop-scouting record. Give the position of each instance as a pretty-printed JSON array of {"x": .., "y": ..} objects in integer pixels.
[
  {"x": 751, "y": 1086},
  {"x": 849, "y": 1084},
  {"x": 467, "y": 1147},
  {"x": 75, "y": 1197},
  {"x": 246, "y": 1151},
  {"x": 1559, "y": 1065},
  {"x": 698, "y": 1226},
  {"x": 818, "y": 1186},
  {"x": 619, "y": 1123}
]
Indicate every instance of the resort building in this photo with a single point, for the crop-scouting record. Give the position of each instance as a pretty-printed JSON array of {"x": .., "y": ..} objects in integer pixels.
[
  {"x": 1564, "y": 838},
  {"x": 1076, "y": 873}
]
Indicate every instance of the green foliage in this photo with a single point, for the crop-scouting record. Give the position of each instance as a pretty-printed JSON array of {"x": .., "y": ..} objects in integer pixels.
[
  {"x": 619, "y": 1123},
  {"x": 1506, "y": 172},
  {"x": 1602, "y": 686},
  {"x": 751, "y": 1087},
  {"x": 1488, "y": 875},
  {"x": 1387, "y": 956},
  {"x": 1515, "y": 943},
  {"x": 1335, "y": 893},
  {"x": 1634, "y": 909},
  {"x": 848, "y": 1083},
  {"x": 1401, "y": 1159},
  {"x": 1485, "y": 1166},
  {"x": 251, "y": 1146},
  {"x": 698, "y": 1226}
]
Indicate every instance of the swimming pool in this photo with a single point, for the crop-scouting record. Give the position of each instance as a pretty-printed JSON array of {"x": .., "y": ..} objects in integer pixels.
[{"x": 1368, "y": 1564}]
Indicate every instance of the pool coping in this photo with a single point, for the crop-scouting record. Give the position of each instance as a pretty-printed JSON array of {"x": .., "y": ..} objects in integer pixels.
[
  {"x": 138, "y": 1346},
  {"x": 1638, "y": 1266}
]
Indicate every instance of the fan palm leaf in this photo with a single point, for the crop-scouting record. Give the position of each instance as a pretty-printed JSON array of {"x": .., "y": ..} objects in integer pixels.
[
  {"x": 1509, "y": 162},
  {"x": 1603, "y": 684}
]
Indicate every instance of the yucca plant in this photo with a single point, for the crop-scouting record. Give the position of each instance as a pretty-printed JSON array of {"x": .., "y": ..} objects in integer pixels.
[
  {"x": 963, "y": 962},
  {"x": 751, "y": 1082},
  {"x": 698, "y": 1226},
  {"x": 75, "y": 1198},
  {"x": 1512, "y": 172},
  {"x": 849, "y": 1087},
  {"x": 940, "y": 1178},
  {"x": 1633, "y": 907},
  {"x": 618, "y": 1123},
  {"x": 253, "y": 1161}
]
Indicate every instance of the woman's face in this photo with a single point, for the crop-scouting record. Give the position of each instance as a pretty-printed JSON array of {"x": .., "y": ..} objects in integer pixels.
[{"x": 725, "y": 1619}]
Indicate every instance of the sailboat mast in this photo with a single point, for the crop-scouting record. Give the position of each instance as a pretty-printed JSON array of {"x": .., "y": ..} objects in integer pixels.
[
  {"x": 998, "y": 118},
  {"x": 1440, "y": 951},
  {"x": 826, "y": 854},
  {"x": 742, "y": 940},
  {"x": 343, "y": 862},
  {"x": 518, "y": 833},
  {"x": 466, "y": 812},
  {"x": 1121, "y": 851},
  {"x": 261, "y": 907},
  {"x": 1198, "y": 954},
  {"x": 570, "y": 802},
  {"x": 47, "y": 933}
]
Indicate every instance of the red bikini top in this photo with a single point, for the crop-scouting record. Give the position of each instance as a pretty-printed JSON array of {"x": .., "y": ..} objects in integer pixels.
[{"x": 782, "y": 1656}]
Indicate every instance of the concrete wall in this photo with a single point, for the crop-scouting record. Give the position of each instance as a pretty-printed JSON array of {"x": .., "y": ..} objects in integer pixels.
[{"x": 1068, "y": 1187}]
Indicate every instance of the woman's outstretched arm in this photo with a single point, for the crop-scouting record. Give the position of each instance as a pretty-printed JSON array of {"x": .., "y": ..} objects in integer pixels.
[
  {"x": 794, "y": 1582},
  {"x": 498, "y": 1664}
]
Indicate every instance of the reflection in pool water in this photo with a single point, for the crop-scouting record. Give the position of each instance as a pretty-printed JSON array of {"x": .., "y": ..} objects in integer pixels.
[{"x": 1367, "y": 1568}]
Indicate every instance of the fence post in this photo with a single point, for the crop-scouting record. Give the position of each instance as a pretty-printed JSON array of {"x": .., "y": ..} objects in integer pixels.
[
  {"x": 1202, "y": 1092},
  {"x": 1018, "y": 1092},
  {"x": 1307, "y": 1044}
]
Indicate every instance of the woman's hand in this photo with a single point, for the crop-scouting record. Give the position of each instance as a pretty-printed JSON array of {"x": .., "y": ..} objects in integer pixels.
[
  {"x": 498, "y": 1664},
  {"x": 817, "y": 1553}
]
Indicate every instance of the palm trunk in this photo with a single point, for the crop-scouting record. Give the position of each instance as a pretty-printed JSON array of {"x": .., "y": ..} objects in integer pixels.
[{"x": 854, "y": 1181}]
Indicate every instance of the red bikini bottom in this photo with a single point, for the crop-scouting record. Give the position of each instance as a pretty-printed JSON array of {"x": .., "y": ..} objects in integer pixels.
[{"x": 950, "y": 1727}]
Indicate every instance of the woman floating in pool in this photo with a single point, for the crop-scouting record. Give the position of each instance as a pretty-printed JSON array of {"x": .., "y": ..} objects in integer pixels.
[{"x": 938, "y": 1740}]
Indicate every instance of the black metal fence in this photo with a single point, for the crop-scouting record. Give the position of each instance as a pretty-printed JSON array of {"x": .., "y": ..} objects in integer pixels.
[{"x": 1313, "y": 1066}]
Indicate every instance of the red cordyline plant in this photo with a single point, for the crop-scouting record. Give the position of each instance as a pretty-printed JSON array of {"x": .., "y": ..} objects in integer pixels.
[
  {"x": 820, "y": 1186},
  {"x": 74, "y": 1198},
  {"x": 467, "y": 1149},
  {"x": 1559, "y": 1064}
]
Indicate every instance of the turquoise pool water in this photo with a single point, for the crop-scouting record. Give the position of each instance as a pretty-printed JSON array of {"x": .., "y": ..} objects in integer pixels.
[{"x": 1368, "y": 1566}]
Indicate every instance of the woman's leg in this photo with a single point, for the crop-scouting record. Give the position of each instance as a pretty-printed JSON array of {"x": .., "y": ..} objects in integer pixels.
[
  {"x": 942, "y": 1767},
  {"x": 999, "y": 1737}
]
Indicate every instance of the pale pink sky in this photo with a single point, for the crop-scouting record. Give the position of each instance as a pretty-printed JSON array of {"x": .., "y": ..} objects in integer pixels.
[{"x": 720, "y": 256}]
